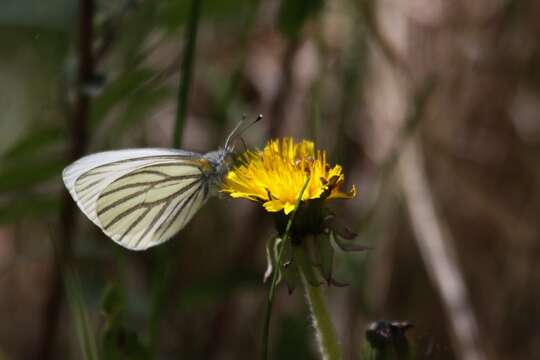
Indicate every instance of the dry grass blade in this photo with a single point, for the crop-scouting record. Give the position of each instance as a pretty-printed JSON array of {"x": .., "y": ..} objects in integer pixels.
[{"x": 439, "y": 255}]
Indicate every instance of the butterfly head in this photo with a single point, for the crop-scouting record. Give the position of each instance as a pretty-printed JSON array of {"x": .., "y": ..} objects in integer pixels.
[{"x": 222, "y": 160}]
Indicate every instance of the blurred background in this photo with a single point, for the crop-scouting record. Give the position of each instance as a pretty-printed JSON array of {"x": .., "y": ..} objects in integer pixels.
[{"x": 432, "y": 107}]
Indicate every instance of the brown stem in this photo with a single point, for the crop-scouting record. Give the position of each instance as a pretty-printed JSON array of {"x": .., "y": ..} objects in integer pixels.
[{"x": 79, "y": 138}]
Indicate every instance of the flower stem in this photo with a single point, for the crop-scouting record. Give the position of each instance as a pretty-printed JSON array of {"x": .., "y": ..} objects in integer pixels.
[
  {"x": 277, "y": 269},
  {"x": 322, "y": 322}
]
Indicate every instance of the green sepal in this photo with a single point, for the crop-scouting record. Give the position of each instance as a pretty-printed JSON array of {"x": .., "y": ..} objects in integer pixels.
[
  {"x": 326, "y": 255},
  {"x": 346, "y": 244},
  {"x": 291, "y": 275}
]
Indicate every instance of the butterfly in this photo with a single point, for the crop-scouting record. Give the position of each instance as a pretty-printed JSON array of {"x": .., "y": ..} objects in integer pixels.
[{"x": 142, "y": 197}]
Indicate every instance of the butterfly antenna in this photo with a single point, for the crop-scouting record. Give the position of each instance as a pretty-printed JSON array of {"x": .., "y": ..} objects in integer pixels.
[
  {"x": 243, "y": 143},
  {"x": 234, "y": 131},
  {"x": 239, "y": 130}
]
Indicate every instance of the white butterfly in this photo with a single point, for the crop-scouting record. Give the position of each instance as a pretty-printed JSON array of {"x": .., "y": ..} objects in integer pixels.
[{"x": 141, "y": 197}]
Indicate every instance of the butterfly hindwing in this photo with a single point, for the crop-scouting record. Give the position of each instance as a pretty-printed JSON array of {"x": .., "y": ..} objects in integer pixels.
[
  {"x": 147, "y": 206},
  {"x": 138, "y": 197}
]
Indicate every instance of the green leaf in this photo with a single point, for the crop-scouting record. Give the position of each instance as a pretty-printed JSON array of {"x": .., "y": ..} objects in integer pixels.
[
  {"x": 294, "y": 13},
  {"x": 84, "y": 329},
  {"x": 112, "y": 301},
  {"x": 347, "y": 244},
  {"x": 35, "y": 141},
  {"x": 118, "y": 342}
]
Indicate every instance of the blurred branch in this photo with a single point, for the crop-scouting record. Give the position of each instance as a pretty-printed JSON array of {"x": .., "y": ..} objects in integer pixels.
[
  {"x": 79, "y": 138},
  {"x": 439, "y": 254}
]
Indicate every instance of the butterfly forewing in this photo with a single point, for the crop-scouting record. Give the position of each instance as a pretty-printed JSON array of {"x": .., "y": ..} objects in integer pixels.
[{"x": 139, "y": 197}]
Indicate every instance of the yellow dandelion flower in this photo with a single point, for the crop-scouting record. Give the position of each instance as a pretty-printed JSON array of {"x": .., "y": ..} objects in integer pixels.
[{"x": 276, "y": 174}]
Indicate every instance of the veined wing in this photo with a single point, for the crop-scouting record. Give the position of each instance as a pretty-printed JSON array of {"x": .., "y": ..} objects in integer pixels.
[
  {"x": 148, "y": 206},
  {"x": 88, "y": 177}
]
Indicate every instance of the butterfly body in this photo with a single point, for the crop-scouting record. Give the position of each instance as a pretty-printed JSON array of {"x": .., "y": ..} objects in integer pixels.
[
  {"x": 142, "y": 197},
  {"x": 219, "y": 164}
]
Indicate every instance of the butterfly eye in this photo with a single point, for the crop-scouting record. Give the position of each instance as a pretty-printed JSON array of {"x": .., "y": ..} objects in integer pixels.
[{"x": 229, "y": 158}]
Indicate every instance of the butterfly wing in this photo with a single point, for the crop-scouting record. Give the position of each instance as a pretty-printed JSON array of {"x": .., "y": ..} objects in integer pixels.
[{"x": 139, "y": 197}]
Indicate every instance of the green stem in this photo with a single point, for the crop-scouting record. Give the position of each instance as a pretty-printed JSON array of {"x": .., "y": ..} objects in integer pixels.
[
  {"x": 322, "y": 322},
  {"x": 186, "y": 69},
  {"x": 277, "y": 269}
]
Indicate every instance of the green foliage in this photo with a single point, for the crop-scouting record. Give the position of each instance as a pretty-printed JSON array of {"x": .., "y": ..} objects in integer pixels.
[
  {"x": 32, "y": 205},
  {"x": 23, "y": 175},
  {"x": 117, "y": 341},
  {"x": 85, "y": 335},
  {"x": 174, "y": 13},
  {"x": 293, "y": 14}
]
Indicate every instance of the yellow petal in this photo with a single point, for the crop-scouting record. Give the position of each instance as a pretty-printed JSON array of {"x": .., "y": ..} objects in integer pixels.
[
  {"x": 336, "y": 194},
  {"x": 273, "y": 205},
  {"x": 288, "y": 208}
]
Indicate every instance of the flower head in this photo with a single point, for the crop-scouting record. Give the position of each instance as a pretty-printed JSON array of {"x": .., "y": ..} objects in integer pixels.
[
  {"x": 276, "y": 174},
  {"x": 275, "y": 177}
]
